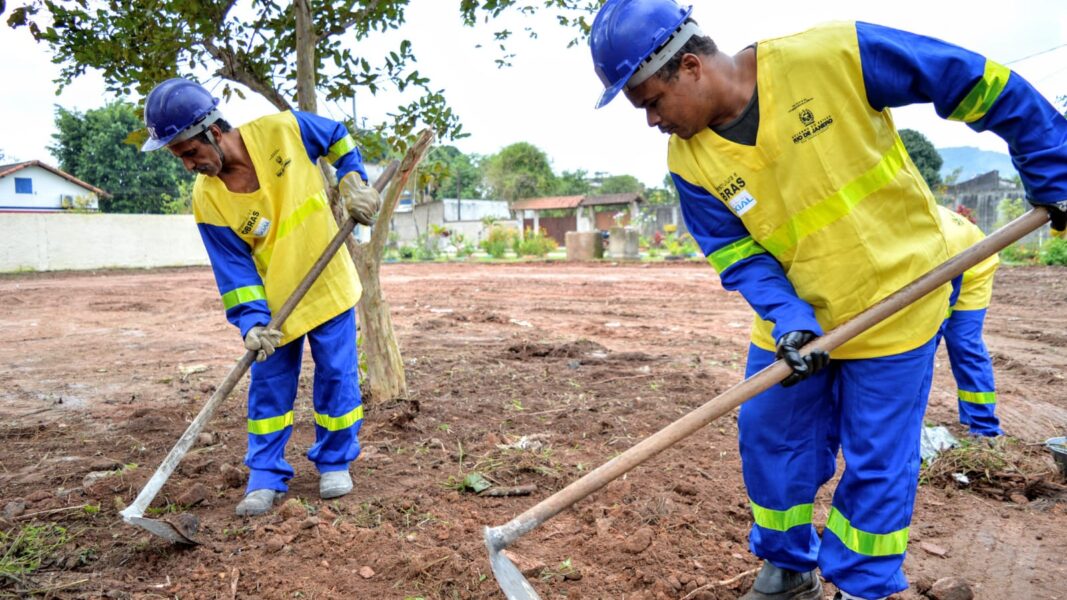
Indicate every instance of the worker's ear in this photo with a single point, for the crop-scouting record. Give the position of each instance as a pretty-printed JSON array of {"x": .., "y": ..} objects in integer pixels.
[{"x": 692, "y": 65}]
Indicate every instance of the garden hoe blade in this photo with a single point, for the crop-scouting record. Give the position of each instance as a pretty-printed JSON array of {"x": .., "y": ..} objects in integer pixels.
[
  {"x": 508, "y": 576},
  {"x": 181, "y": 528}
]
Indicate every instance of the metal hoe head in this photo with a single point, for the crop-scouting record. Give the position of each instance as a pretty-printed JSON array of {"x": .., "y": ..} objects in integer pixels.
[
  {"x": 178, "y": 530},
  {"x": 508, "y": 576}
]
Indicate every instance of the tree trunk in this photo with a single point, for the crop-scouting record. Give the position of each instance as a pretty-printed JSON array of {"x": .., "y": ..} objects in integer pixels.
[{"x": 385, "y": 378}]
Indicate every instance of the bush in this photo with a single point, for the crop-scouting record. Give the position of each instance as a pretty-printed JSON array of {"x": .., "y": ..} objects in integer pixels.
[
  {"x": 535, "y": 244},
  {"x": 682, "y": 245},
  {"x": 1019, "y": 254},
  {"x": 1054, "y": 252},
  {"x": 498, "y": 241}
]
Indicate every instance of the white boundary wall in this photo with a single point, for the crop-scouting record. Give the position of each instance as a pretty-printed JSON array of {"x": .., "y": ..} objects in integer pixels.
[{"x": 50, "y": 242}]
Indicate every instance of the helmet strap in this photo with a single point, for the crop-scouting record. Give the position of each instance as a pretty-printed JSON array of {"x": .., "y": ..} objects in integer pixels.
[{"x": 214, "y": 144}]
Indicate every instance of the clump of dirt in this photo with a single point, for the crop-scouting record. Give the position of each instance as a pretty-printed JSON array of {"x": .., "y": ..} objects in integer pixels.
[
  {"x": 576, "y": 349},
  {"x": 1001, "y": 468}
]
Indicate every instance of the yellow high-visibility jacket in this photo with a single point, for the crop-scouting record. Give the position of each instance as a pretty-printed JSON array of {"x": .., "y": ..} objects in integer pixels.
[
  {"x": 263, "y": 243},
  {"x": 828, "y": 190}
]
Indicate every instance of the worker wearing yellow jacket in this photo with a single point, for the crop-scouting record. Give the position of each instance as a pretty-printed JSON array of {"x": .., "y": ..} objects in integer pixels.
[
  {"x": 264, "y": 216},
  {"x": 786, "y": 160},
  {"x": 967, "y": 355}
]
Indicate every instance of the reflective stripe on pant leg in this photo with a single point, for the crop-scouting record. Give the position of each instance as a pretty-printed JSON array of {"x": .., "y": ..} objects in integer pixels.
[
  {"x": 973, "y": 371},
  {"x": 882, "y": 401},
  {"x": 338, "y": 406},
  {"x": 787, "y": 452},
  {"x": 270, "y": 417}
]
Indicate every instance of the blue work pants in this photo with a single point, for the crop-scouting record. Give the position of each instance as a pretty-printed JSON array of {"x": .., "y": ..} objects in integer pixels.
[
  {"x": 872, "y": 410},
  {"x": 335, "y": 397}
]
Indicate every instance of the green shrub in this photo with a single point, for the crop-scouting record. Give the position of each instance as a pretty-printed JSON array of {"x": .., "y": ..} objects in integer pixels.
[
  {"x": 535, "y": 244},
  {"x": 1019, "y": 254},
  {"x": 498, "y": 241},
  {"x": 1054, "y": 252}
]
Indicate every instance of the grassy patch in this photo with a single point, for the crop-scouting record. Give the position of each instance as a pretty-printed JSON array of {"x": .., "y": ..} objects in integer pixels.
[{"x": 24, "y": 551}]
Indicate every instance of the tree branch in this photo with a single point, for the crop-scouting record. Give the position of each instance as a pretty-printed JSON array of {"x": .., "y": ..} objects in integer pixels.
[
  {"x": 235, "y": 69},
  {"x": 411, "y": 160}
]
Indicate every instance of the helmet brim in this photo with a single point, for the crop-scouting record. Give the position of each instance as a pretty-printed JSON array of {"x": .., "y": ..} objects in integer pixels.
[
  {"x": 153, "y": 144},
  {"x": 609, "y": 93}
]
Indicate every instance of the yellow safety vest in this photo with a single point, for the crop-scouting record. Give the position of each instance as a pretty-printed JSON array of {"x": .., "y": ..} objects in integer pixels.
[
  {"x": 828, "y": 190},
  {"x": 977, "y": 287},
  {"x": 287, "y": 223}
]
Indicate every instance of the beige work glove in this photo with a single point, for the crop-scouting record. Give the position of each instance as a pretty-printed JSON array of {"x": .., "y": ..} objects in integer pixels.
[
  {"x": 361, "y": 200},
  {"x": 263, "y": 341}
]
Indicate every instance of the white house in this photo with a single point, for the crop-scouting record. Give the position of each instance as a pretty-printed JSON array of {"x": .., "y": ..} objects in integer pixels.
[{"x": 33, "y": 186}]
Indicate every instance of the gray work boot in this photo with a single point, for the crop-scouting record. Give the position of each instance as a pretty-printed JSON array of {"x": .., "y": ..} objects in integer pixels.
[
  {"x": 333, "y": 484},
  {"x": 773, "y": 583},
  {"x": 257, "y": 502}
]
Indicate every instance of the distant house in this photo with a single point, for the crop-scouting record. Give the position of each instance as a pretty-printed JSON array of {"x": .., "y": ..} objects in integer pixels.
[
  {"x": 557, "y": 215},
  {"x": 34, "y": 186},
  {"x": 982, "y": 195},
  {"x": 462, "y": 216}
]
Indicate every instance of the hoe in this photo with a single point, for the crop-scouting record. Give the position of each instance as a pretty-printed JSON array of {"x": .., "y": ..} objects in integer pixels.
[
  {"x": 181, "y": 528},
  {"x": 511, "y": 580}
]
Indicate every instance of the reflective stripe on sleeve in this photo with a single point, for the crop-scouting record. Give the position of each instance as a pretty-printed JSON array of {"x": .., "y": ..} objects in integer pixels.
[
  {"x": 781, "y": 520},
  {"x": 977, "y": 397},
  {"x": 725, "y": 257},
  {"x": 270, "y": 424},
  {"x": 862, "y": 542},
  {"x": 340, "y": 148},
  {"x": 343, "y": 422},
  {"x": 837, "y": 205},
  {"x": 984, "y": 93},
  {"x": 243, "y": 295}
]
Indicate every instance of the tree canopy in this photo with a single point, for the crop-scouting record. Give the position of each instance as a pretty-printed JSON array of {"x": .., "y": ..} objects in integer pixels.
[
  {"x": 91, "y": 147},
  {"x": 924, "y": 155},
  {"x": 520, "y": 170},
  {"x": 453, "y": 173},
  {"x": 620, "y": 184},
  {"x": 136, "y": 44}
]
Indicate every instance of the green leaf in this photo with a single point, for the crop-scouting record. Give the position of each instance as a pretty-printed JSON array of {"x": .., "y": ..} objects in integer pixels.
[{"x": 476, "y": 483}]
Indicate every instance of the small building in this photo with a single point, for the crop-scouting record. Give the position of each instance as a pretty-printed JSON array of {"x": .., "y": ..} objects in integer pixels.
[
  {"x": 982, "y": 195},
  {"x": 610, "y": 210},
  {"x": 34, "y": 186},
  {"x": 557, "y": 215},
  {"x": 462, "y": 216}
]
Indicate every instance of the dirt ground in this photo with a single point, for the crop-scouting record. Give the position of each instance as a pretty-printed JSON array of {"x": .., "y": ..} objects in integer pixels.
[{"x": 101, "y": 372}]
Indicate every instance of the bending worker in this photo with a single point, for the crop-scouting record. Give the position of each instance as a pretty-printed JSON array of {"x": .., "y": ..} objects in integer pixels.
[
  {"x": 786, "y": 159},
  {"x": 967, "y": 355},
  {"x": 262, "y": 211}
]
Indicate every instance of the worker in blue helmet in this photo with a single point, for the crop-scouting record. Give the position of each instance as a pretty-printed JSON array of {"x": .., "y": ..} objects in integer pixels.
[
  {"x": 264, "y": 217},
  {"x": 798, "y": 189}
]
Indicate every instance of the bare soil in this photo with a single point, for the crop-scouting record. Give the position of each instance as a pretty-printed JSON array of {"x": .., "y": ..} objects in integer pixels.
[{"x": 103, "y": 371}]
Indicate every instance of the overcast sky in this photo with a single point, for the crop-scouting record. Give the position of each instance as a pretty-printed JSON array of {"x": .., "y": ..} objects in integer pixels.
[{"x": 547, "y": 96}]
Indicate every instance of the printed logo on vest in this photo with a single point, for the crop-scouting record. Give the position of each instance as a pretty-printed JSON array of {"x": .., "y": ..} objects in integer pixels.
[
  {"x": 742, "y": 203},
  {"x": 730, "y": 186},
  {"x": 261, "y": 228},
  {"x": 813, "y": 125},
  {"x": 281, "y": 161},
  {"x": 255, "y": 224}
]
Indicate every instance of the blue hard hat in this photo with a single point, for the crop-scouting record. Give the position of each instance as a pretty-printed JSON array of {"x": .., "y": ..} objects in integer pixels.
[
  {"x": 176, "y": 110},
  {"x": 626, "y": 33}
]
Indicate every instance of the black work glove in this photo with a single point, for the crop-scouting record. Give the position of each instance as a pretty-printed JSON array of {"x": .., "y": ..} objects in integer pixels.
[
  {"x": 788, "y": 349},
  {"x": 1058, "y": 220}
]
